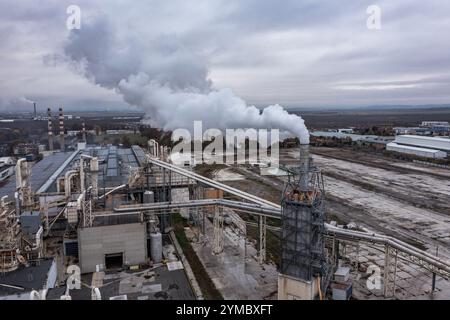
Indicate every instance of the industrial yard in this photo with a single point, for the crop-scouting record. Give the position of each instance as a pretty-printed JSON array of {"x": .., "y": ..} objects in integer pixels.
[
  {"x": 113, "y": 222},
  {"x": 412, "y": 207}
]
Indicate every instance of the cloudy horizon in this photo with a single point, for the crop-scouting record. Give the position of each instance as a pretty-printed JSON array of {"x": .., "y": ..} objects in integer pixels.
[{"x": 293, "y": 53}]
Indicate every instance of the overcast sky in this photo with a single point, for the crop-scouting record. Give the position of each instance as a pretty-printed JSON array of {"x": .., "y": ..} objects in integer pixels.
[{"x": 292, "y": 52}]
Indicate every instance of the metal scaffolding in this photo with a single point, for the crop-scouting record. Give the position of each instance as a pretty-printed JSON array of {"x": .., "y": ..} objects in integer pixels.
[{"x": 303, "y": 224}]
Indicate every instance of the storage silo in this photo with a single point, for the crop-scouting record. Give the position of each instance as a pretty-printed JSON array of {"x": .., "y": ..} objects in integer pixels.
[{"x": 156, "y": 247}]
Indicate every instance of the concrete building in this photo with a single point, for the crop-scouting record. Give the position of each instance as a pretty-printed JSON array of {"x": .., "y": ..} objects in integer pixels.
[{"x": 112, "y": 246}]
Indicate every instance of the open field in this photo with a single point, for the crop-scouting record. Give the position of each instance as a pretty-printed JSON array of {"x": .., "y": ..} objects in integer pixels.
[{"x": 375, "y": 117}]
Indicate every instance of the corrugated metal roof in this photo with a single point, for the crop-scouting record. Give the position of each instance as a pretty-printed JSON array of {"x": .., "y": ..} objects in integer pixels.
[
  {"x": 396, "y": 145},
  {"x": 114, "y": 167},
  {"x": 427, "y": 142},
  {"x": 40, "y": 173}
]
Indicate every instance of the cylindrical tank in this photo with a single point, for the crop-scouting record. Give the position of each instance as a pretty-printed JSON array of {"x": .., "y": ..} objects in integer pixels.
[
  {"x": 149, "y": 197},
  {"x": 156, "y": 247}
]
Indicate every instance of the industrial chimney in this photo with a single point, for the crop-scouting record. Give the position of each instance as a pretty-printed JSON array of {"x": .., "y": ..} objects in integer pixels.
[
  {"x": 61, "y": 130},
  {"x": 304, "y": 166},
  {"x": 50, "y": 130},
  {"x": 304, "y": 272},
  {"x": 35, "y": 114},
  {"x": 84, "y": 132}
]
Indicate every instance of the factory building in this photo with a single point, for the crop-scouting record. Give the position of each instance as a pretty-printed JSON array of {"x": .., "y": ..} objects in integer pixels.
[
  {"x": 437, "y": 127},
  {"x": 111, "y": 246},
  {"x": 428, "y": 147},
  {"x": 421, "y": 152},
  {"x": 422, "y": 131},
  {"x": 434, "y": 123},
  {"x": 72, "y": 196},
  {"x": 426, "y": 128}
]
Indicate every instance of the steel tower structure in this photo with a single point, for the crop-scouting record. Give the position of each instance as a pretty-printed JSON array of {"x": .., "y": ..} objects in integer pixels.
[{"x": 303, "y": 256}]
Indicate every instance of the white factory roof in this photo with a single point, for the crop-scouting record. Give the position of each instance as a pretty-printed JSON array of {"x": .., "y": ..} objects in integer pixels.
[
  {"x": 427, "y": 138},
  {"x": 424, "y": 142},
  {"x": 393, "y": 144}
]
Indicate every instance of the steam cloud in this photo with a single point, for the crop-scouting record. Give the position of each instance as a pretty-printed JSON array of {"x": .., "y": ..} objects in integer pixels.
[
  {"x": 17, "y": 103},
  {"x": 168, "y": 81}
]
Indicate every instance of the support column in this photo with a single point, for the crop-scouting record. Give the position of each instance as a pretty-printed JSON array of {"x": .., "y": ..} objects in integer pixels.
[
  {"x": 262, "y": 238},
  {"x": 46, "y": 218},
  {"x": 218, "y": 230},
  {"x": 390, "y": 272}
]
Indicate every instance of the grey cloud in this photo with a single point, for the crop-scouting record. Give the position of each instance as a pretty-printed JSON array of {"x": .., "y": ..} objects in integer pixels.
[{"x": 293, "y": 51}]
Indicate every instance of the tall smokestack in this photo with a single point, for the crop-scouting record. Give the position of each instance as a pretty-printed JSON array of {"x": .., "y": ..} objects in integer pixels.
[
  {"x": 304, "y": 166},
  {"x": 84, "y": 132},
  {"x": 35, "y": 114},
  {"x": 61, "y": 130},
  {"x": 50, "y": 130}
]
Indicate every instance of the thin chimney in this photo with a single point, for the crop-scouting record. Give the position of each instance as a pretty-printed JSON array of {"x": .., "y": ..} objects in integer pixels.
[
  {"x": 84, "y": 132},
  {"x": 50, "y": 130},
  {"x": 61, "y": 130},
  {"x": 35, "y": 115}
]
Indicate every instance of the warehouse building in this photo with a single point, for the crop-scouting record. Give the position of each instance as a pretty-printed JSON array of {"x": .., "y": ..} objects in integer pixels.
[
  {"x": 421, "y": 152},
  {"x": 427, "y": 147}
]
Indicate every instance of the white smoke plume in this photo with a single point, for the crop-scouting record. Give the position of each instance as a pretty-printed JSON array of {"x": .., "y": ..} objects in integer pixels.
[
  {"x": 17, "y": 104},
  {"x": 169, "y": 81}
]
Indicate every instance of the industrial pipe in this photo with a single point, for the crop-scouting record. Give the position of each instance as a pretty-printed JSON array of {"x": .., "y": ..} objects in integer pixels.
[
  {"x": 2, "y": 201},
  {"x": 95, "y": 294},
  {"x": 155, "y": 147},
  {"x": 93, "y": 166},
  {"x": 113, "y": 190},
  {"x": 202, "y": 203},
  {"x": 392, "y": 242},
  {"x": 67, "y": 182},
  {"x": 214, "y": 184},
  {"x": 17, "y": 203},
  {"x": 37, "y": 241},
  {"x": 331, "y": 230},
  {"x": 19, "y": 178}
]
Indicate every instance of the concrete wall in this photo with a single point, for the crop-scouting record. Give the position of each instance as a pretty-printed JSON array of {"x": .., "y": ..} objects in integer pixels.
[
  {"x": 295, "y": 289},
  {"x": 94, "y": 243}
]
